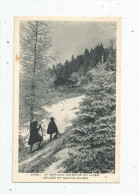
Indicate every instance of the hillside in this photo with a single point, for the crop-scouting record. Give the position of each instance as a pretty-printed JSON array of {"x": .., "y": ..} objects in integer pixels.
[{"x": 54, "y": 153}]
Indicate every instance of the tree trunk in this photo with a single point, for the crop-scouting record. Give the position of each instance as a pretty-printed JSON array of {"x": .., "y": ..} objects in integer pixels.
[{"x": 33, "y": 79}]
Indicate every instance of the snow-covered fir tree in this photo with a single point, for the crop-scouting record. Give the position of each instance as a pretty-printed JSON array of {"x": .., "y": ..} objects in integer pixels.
[{"x": 92, "y": 138}]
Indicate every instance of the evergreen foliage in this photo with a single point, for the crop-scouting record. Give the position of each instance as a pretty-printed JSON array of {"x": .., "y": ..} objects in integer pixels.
[
  {"x": 84, "y": 62},
  {"x": 92, "y": 139}
]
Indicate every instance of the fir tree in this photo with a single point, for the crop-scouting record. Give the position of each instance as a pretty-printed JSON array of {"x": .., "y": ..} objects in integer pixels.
[
  {"x": 86, "y": 53},
  {"x": 67, "y": 69},
  {"x": 92, "y": 139}
]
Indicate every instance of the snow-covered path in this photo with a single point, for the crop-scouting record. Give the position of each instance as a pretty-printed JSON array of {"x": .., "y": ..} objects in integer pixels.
[{"x": 64, "y": 112}]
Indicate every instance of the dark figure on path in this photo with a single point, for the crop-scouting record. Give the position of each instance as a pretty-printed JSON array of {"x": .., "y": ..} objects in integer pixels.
[
  {"x": 34, "y": 135},
  {"x": 52, "y": 128}
]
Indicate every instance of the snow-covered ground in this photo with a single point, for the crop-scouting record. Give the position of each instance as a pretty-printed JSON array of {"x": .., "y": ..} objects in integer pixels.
[
  {"x": 55, "y": 167},
  {"x": 63, "y": 112}
]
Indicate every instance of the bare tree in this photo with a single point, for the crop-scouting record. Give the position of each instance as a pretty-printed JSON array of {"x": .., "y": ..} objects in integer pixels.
[{"x": 35, "y": 55}]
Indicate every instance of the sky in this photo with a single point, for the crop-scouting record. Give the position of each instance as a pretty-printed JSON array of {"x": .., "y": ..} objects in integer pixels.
[{"x": 72, "y": 37}]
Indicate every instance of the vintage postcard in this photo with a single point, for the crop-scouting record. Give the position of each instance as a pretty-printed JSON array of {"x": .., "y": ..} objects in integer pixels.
[{"x": 66, "y": 125}]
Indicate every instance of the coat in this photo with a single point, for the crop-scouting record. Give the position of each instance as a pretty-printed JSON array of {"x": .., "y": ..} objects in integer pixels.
[
  {"x": 34, "y": 135},
  {"x": 52, "y": 128}
]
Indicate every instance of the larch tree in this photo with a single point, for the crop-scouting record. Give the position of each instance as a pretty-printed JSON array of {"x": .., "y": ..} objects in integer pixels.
[{"x": 35, "y": 56}]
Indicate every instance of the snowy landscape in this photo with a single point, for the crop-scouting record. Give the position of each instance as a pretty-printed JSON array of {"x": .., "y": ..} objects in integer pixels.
[{"x": 69, "y": 75}]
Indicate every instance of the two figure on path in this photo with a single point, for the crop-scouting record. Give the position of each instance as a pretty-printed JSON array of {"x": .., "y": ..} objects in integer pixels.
[{"x": 35, "y": 137}]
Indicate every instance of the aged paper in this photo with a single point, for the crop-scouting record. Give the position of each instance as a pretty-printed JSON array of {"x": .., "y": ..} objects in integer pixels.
[{"x": 66, "y": 99}]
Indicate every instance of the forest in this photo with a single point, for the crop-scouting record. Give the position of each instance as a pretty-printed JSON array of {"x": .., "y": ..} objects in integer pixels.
[
  {"x": 82, "y": 63},
  {"x": 90, "y": 141}
]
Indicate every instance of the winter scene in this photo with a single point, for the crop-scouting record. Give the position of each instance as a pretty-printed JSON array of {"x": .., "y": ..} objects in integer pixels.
[{"x": 67, "y": 96}]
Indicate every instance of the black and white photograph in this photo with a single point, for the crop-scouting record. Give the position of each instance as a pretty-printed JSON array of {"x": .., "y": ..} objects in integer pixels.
[{"x": 66, "y": 99}]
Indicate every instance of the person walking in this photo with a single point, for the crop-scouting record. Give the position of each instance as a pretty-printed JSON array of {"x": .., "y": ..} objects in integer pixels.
[
  {"x": 34, "y": 135},
  {"x": 52, "y": 128}
]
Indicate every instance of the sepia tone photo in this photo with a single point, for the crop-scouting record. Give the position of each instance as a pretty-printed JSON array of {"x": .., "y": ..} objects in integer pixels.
[{"x": 66, "y": 124}]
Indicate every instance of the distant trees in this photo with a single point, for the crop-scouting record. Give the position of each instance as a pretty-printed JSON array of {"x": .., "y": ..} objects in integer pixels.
[
  {"x": 84, "y": 62},
  {"x": 34, "y": 58},
  {"x": 92, "y": 136}
]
